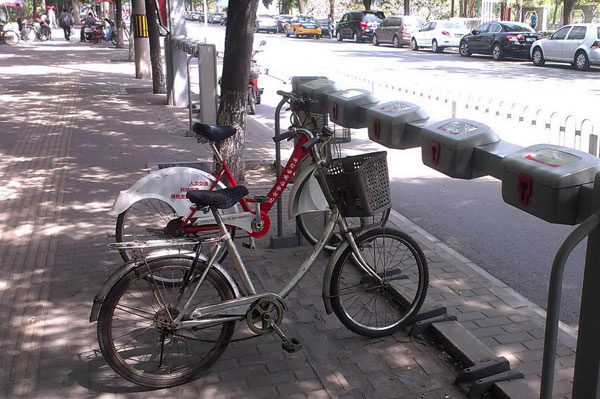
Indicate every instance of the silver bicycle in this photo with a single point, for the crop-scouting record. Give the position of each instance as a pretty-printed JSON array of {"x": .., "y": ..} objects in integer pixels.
[{"x": 164, "y": 319}]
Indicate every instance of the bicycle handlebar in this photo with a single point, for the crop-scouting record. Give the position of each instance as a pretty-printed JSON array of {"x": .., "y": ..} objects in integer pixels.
[
  {"x": 310, "y": 143},
  {"x": 287, "y": 135}
]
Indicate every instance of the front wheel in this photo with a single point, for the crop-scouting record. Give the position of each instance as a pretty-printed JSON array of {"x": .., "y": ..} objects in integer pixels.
[
  {"x": 135, "y": 333},
  {"x": 375, "y": 41},
  {"x": 379, "y": 302},
  {"x": 11, "y": 38},
  {"x": 311, "y": 226},
  {"x": 338, "y": 36},
  {"x": 413, "y": 44},
  {"x": 356, "y": 38},
  {"x": 463, "y": 49}
]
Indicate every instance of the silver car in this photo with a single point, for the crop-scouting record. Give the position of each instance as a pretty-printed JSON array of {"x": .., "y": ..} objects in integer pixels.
[{"x": 577, "y": 44}]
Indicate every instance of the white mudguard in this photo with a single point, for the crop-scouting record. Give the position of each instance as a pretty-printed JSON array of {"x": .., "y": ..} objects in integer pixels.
[
  {"x": 306, "y": 195},
  {"x": 169, "y": 185}
]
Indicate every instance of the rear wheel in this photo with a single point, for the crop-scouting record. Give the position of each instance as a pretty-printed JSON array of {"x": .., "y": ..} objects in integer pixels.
[
  {"x": 463, "y": 49},
  {"x": 413, "y": 44},
  {"x": 378, "y": 303},
  {"x": 434, "y": 46},
  {"x": 356, "y": 37},
  {"x": 317, "y": 37},
  {"x": 582, "y": 62},
  {"x": 538, "y": 57},
  {"x": 375, "y": 41},
  {"x": 296, "y": 35},
  {"x": 11, "y": 38},
  {"x": 135, "y": 333},
  {"x": 497, "y": 52},
  {"x": 287, "y": 34}
]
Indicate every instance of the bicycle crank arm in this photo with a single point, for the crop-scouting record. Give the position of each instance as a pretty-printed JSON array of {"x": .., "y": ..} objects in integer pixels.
[{"x": 233, "y": 307}]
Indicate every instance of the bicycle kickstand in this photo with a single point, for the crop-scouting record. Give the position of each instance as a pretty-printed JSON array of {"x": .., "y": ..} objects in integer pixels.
[{"x": 289, "y": 345}]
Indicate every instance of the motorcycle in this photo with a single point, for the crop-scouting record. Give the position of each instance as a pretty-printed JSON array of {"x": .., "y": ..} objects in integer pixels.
[{"x": 254, "y": 92}]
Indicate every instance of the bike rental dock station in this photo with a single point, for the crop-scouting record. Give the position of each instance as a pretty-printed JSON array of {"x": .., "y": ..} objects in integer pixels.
[{"x": 554, "y": 183}]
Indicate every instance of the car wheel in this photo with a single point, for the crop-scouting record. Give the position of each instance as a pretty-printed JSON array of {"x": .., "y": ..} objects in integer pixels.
[
  {"x": 338, "y": 36},
  {"x": 463, "y": 49},
  {"x": 413, "y": 44},
  {"x": 538, "y": 57},
  {"x": 375, "y": 41},
  {"x": 497, "y": 52},
  {"x": 296, "y": 35},
  {"x": 356, "y": 38},
  {"x": 396, "y": 42},
  {"x": 287, "y": 34},
  {"x": 317, "y": 37},
  {"x": 434, "y": 46},
  {"x": 582, "y": 62}
]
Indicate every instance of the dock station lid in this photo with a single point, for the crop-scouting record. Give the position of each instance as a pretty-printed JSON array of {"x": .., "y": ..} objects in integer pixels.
[{"x": 553, "y": 166}]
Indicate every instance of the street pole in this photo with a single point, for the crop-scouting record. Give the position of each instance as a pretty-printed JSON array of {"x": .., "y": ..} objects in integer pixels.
[{"x": 141, "y": 42}]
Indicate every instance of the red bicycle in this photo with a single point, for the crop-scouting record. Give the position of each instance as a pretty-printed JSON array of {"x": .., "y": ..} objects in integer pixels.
[{"x": 151, "y": 210}]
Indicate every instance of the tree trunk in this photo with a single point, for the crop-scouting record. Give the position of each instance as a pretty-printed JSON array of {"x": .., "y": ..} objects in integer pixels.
[
  {"x": 75, "y": 13},
  {"x": 302, "y": 6},
  {"x": 367, "y": 4},
  {"x": 158, "y": 77},
  {"x": 239, "y": 38},
  {"x": 556, "y": 4},
  {"x": 131, "y": 50},
  {"x": 119, "y": 22},
  {"x": 568, "y": 9},
  {"x": 332, "y": 9},
  {"x": 406, "y": 7}
]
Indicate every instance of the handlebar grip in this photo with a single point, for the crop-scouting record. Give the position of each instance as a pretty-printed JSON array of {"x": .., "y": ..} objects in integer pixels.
[
  {"x": 306, "y": 146},
  {"x": 286, "y": 135},
  {"x": 286, "y": 94}
]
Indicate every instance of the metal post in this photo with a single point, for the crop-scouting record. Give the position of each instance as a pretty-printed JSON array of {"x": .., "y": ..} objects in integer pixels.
[{"x": 587, "y": 358}]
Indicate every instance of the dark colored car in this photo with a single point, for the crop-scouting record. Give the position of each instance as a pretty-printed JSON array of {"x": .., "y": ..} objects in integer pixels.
[
  {"x": 500, "y": 39},
  {"x": 397, "y": 30},
  {"x": 358, "y": 25}
]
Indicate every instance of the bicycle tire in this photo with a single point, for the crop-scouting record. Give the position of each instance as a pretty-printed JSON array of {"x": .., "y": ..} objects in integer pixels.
[
  {"x": 368, "y": 307},
  {"x": 145, "y": 352},
  {"x": 11, "y": 37},
  {"x": 251, "y": 101},
  {"x": 312, "y": 224},
  {"x": 146, "y": 220}
]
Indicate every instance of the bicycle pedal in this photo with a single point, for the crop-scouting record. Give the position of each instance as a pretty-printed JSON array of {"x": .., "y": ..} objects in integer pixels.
[
  {"x": 250, "y": 245},
  {"x": 291, "y": 345}
]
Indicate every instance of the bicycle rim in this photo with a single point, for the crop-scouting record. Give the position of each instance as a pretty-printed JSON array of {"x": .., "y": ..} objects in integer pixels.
[
  {"x": 11, "y": 38},
  {"x": 131, "y": 325},
  {"x": 375, "y": 308}
]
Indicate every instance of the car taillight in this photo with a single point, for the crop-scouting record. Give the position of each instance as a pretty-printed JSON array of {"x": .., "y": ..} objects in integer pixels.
[
  {"x": 319, "y": 26},
  {"x": 299, "y": 25},
  {"x": 540, "y": 37},
  {"x": 596, "y": 44},
  {"x": 364, "y": 25},
  {"x": 404, "y": 32},
  {"x": 516, "y": 38},
  {"x": 445, "y": 33}
]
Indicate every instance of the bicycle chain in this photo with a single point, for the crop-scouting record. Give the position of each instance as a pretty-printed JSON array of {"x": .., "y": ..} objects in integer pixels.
[{"x": 214, "y": 341}]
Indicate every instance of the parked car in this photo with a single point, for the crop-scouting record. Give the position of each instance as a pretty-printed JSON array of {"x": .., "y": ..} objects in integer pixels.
[
  {"x": 266, "y": 23},
  {"x": 324, "y": 29},
  {"x": 282, "y": 21},
  {"x": 215, "y": 18},
  {"x": 438, "y": 35},
  {"x": 303, "y": 25},
  {"x": 358, "y": 25},
  {"x": 578, "y": 44},
  {"x": 189, "y": 16},
  {"x": 397, "y": 30},
  {"x": 500, "y": 39},
  {"x": 224, "y": 19}
]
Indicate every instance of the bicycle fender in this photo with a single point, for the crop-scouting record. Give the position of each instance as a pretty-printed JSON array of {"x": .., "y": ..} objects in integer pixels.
[
  {"x": 128, "y": 266},
  {"x": 306, "y": 195},
  {"x": 333, "y": 259},
  {"x": 169, "y": 185}
]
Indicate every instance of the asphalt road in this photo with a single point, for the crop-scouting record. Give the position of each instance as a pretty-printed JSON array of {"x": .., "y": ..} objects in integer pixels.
[{"x": 470, "y": 216}]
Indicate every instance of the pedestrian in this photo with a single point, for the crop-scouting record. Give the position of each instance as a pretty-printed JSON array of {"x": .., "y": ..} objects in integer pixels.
[
  {"x": 330, "y": 26},
  {"x": 65, "y": 21},
  {"x": 51, "y": 10},
  {"x": 21, "y": 16},
  {"x": 533, "y": 20},
  {"x": 86, "y": 25}
]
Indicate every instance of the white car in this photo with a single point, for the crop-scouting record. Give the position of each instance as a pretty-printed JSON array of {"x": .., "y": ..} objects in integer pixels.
[
  {"x": 266, "y": 23},
  {"x": 438, "y": 35},
  {"x": 577, "y": 44}
]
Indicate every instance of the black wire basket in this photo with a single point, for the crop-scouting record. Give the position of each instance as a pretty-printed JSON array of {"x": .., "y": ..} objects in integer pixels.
[{"x": 360, "y": 184}]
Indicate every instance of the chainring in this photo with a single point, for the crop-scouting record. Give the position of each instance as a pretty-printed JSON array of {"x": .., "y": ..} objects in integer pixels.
[{"x": 260, "y": 312}]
